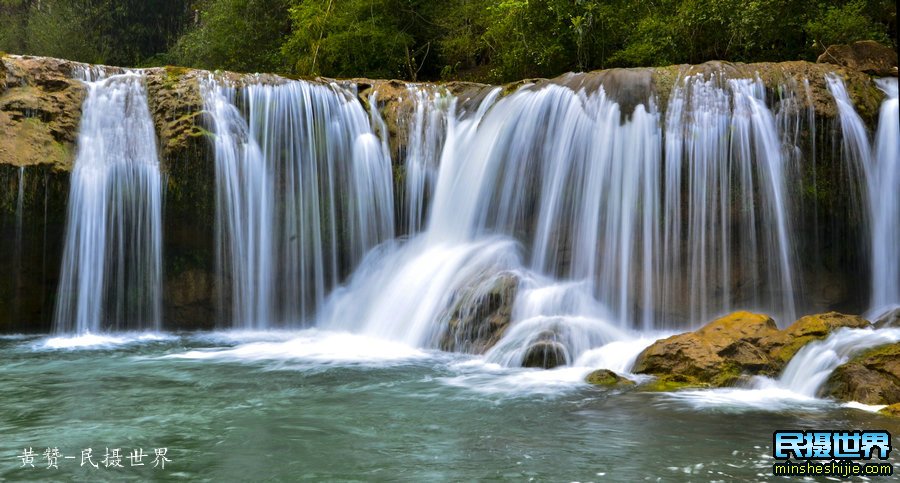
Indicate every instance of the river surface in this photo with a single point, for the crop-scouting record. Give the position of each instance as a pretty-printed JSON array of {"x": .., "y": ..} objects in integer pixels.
[{"x": 332, "y": 406}]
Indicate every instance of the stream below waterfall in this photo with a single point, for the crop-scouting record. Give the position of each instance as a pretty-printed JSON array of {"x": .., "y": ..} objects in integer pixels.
[{"x": 331, "y": 405}]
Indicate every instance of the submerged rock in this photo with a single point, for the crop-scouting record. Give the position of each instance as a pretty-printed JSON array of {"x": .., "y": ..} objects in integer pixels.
[
  {"x": 546, "y": 353},
  {"x": 605, "y": 377},
  {"x": 866, "y": 55},
  {"x": 889, "y": 319},
  {"x": 734, "y": 347},
  {"x": 481, "y": 314},
  {"x": 872, "y": 377}
]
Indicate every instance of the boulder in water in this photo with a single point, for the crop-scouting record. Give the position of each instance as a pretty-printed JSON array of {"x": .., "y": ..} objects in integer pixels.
[
  {"x": 481, "y": 314},
  {"x": 889, "y": 319},
  {"x": 866, "y": 55},
  {"x": 545, "y": 353},
  {"x": 605, "y": 377},
  {"x": 809, "y": 328},
  {"x": 717, "y": 354},
  {"x": 872, "y": 377},
  {"x": 733, "y": 347}
]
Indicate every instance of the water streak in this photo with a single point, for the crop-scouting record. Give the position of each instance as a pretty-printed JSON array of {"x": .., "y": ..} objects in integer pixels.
[
  {"x": 111, "y": 274},
  {"x": 303, "y": 192}
]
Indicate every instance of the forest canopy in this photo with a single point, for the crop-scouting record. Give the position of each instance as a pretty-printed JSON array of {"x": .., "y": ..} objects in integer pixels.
[{"x": 481, "y": 40}]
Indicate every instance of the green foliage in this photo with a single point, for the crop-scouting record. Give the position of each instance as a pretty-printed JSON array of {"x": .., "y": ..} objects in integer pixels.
[
  {"x": 845, "y": 23},
  {"x": 482, "y": 40},
  {"x": 351, "y": 37},
  {"x": 241, "y": 35},
  {"x": 123, "y": 32}
]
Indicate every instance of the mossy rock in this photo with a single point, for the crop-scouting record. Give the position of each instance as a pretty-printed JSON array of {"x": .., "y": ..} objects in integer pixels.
[
  {"x": 672, "y": 383},
  {"x": 872, "y": 377},
  {"x": 810, "y": 328},
  {"x": 866, "y": 55},
  {"x": 607, "y": 378},
  {"x": 729, "y": 350},
  {"x": 716, "y": 354},
  {"x": 40, "y": 109},
  {"x": 893, "y": 410}
]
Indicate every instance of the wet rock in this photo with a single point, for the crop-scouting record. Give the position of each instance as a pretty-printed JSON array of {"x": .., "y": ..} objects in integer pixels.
[
  {"x": 872, "y": 377},
  {"x": 173, "y": 97},
  {"x": 481, "y": 314},
  {"x": 785, "y": 345},
  {"x": 893, "y": 410},
  {"x": 605, "y": 377},
  {"x": 546, "y": 353},
  {"x": 888, "y": 319},
  {"x": 189, "y": 300},
  {"x": 40, "y": 108},
  {"x": 716, "y": 354},
  {"x": 867, "y": 56},
  {"x": 734, "y": 347}
]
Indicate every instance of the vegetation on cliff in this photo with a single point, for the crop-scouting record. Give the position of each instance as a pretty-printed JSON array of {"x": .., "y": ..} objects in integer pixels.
[{"x": 483, "y": 40}]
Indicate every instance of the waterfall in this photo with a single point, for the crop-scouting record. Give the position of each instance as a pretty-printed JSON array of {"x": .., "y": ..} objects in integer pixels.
[
  {"x": 599, "y": 216},
  {"x": 884, "y": 200},
  {"x": 808, "y": 370},
  {"x": 426, "y": 132},
  {"x": 17, "y": 248},
  {"x": 606, "y": 212},
  {"x": 723, "y": 154},
  {"x": 111, "y": 273},
  {"x": 303, "y": 191}
]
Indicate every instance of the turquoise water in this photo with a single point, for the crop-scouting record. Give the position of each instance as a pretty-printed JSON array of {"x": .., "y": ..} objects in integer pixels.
[{"x": 316, "y": 405}]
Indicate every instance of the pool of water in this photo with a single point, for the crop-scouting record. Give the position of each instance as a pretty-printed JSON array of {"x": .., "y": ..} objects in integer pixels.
[{"x": 323, "y": 405}]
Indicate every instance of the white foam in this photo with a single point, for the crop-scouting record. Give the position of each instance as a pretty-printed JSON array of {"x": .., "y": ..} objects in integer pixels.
[
  {"x": 90, "y": 340},
  {"x": 871, "y": 408},
  {"x": 311, "y": 345},
  {"x": 491, "y": 378},
  {"x": 617, "y": 356},
  {"x": 771, "y": 398},
  {"x": 484, "y": 376}
]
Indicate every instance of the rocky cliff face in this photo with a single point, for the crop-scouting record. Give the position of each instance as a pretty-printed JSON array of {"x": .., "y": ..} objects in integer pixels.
[{"x": 40, "y": 108}]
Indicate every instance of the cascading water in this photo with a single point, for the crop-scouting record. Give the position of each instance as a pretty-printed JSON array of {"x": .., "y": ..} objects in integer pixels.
[
  {"x": 303, "y": 192},
  {"x": 17, "y": 249},
  {"x": 425, "y": 141},
  {"x": 810, "y": 367},
  {"x": 607, "y": 218},
  {"x": 879, "y": 168},
  {"x": 884, "y": 199},
  {"x": 596, "y": 205},
  {"x": 111, "y": 274}
]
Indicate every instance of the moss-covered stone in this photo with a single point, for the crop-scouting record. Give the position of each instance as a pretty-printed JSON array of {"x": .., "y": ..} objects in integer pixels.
[
  {"x": 893, "y": 410},
  {"x": 808, "y": 329},
  {"x": 607, "y": 378},
  {"x": 40, "y": 109},
  {"x": 866, "y": 56},
  {"x": 872, "y": 377},
  {"x": 672, "y": 383},
  {"x": 730, "y": 349},
  {"x": 711, "y": 354}
]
